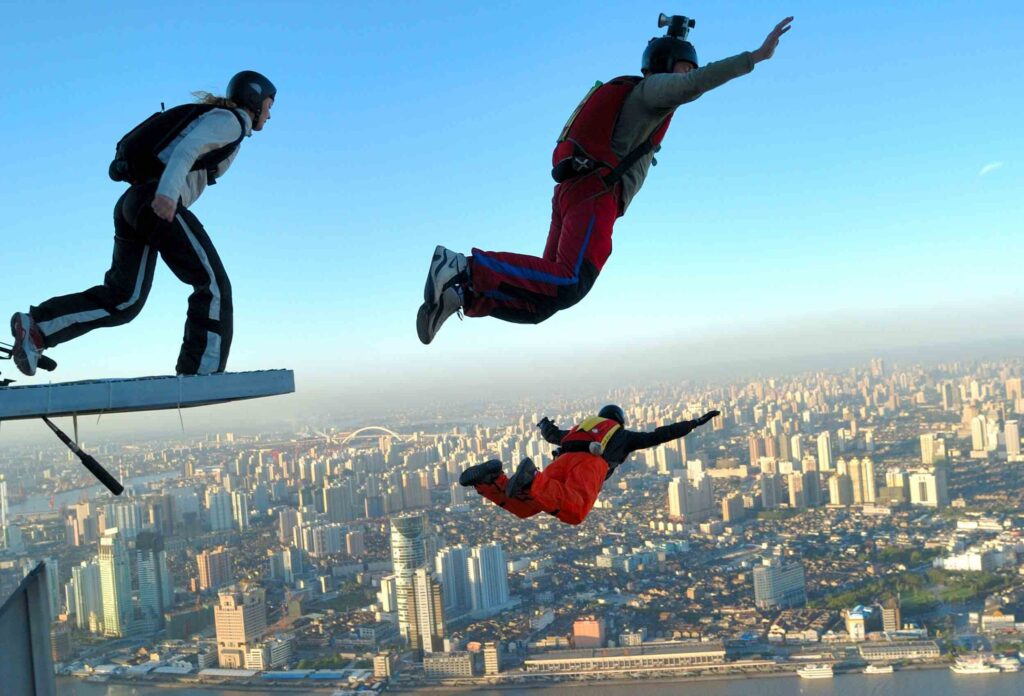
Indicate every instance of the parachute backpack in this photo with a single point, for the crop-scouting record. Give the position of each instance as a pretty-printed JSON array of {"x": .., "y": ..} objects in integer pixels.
[
  {"x": 591, "y": 436},
  {"x": 136, "y": 159},
  {"x": 585, "y": 144}
]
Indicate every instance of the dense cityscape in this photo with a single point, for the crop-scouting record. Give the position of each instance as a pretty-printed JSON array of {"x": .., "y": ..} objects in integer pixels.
[{"x": 826, "y": 521}]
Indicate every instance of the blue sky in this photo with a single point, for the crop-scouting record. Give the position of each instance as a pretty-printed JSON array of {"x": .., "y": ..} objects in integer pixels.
[{"x": 872, "y": 169}]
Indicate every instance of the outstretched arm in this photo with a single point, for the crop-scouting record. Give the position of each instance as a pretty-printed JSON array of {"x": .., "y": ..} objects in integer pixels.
[
  {"x": 550, "y": 432},
  {"x": 669, "y": 90},
  {"x": 666, "y": 433}
]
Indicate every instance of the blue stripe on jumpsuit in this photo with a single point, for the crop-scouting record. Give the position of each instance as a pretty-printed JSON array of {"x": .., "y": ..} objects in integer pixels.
[{"x": 506, "y": 268}]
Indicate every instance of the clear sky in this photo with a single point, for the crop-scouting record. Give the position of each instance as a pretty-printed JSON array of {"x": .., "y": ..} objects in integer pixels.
[{"x": 872, "y": 170}]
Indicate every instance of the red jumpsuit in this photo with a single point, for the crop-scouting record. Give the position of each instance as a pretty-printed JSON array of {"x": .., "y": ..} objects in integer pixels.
[
  {"x": 567, "y": 488},
  {"x": 526, "y": 289}
]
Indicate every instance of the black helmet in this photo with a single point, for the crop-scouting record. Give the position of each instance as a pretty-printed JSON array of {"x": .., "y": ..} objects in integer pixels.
[
  {"x": 248, "y": 89},
  {"x": 663, "y": 52},
  {"x": 613, "y": 412}
]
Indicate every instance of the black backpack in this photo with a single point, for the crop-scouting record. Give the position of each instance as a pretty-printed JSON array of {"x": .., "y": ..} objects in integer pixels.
[{"x": 136, "y": 160}]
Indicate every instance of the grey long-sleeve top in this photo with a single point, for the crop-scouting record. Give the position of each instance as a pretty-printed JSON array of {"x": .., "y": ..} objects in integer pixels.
[
  {"x": 216, "y": 128},
  {"x": 657, "y": 96}
]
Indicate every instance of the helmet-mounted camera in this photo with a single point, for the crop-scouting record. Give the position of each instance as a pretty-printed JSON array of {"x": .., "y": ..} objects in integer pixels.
[{"x": 678, "y": 25}]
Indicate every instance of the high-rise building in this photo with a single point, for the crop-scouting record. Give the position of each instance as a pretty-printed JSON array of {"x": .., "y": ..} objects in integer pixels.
[
  {"x": 929, "y": 488},
  {"x": 1011, "y": 433},
  {"x": 156, "y": 592},
  {"x": 797, "y": 496},
  {"x": 218, "y": 509},
  {"x": 339, "y": 501},
  {"x": 115, "y": 583},
  {"x": 86, "y": 600},
  {"x": 1013, "y": 389},
  {"x": 825, "y": 452},
  {"x": 240, "y": 510},
  {"x": 425, "y": 606},
  {"x": 979, "y": 432},
  {"x": 778, "y": 584},
  {"x": 488, "y": 577},
  {"x": 771, "y": 491},
  {"x": 240, "y": 618},
  {"x": 869, "y": 490},
  {"x": 451, "y": 566},
  {"x": 216, "y": 568},
  {"x": 492, "y": 658},
  {"x": 927, "y": 448},
  {"x": 690, "y": 497},
  {"x": 732, "y": 508},
  {"x": 287, "y": 521},
  {"x": 840, "y": 490},
  {"x": 948, "y": 396},
  {"x": 796, "y": 450},
  {"x": 408, "y": 553}
]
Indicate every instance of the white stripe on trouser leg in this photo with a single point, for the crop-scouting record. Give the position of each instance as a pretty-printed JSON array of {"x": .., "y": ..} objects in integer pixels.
[
  {"x": 60, "y": 323},
  {"x": 211, "y": 356}
]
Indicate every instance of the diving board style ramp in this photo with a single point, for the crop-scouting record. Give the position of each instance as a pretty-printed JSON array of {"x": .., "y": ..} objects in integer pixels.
[
  {"x": 104, "y": 396},
  {"x": 140, "y": 394}
]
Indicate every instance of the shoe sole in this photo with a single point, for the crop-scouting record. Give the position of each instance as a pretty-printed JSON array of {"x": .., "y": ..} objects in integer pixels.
[
  {"x": 423, "y": 324},
  {"x": 488, "y": 468}
]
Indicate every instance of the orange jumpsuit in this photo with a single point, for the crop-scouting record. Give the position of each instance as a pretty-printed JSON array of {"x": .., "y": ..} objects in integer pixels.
[{"x": 567, "y": 488}]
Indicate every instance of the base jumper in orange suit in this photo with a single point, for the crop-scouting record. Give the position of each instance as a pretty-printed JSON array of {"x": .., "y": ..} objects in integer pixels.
[{"x": 569, "y": 486}]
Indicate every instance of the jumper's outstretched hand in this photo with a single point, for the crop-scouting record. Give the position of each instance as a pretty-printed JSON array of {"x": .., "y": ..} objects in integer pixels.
[
  {"x": 706, "y": 417},
  {"x": 546, "y": 426},
  {"x": 767, "y": 49},
  {"x": 164, "y": 208}
]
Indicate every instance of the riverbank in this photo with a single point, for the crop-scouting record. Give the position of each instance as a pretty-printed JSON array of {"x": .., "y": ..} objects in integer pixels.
[{"x": 522, "y": 682}]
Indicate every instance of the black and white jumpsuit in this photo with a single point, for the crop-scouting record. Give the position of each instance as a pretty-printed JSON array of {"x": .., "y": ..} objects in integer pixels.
[{"x": 139, "y": 236}]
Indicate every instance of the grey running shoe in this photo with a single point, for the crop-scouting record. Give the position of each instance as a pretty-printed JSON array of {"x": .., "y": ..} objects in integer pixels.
[
  {"x": 519, "y": 483},
  {"x": 431, "y": 316},
  {"x": 28, "y": 343},
  {"x": 447, "y": 268}
]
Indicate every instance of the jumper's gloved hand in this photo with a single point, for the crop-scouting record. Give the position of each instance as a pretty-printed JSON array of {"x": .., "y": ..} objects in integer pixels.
[
  {"x": 705, "y": 418},
  {"x": 546, "y": 426}
]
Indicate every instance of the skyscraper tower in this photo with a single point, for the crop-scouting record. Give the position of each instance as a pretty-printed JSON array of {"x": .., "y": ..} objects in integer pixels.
[
  {"x": 408, "y": 554},
  {"x": 825, "y": 452},
  {"x": 156, "y": 593},
  {"x": 425, "y": 606},
  {"x": 451, "y": 567},
  {"x": 1011, "y": 434},
  {"x": 86, "y": 597},
  {"x": 115, "y": 584},
  {"x": 488, "y": 577}
]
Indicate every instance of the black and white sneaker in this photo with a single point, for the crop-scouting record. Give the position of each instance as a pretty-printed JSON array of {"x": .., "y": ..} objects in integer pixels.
[
  {"x": 431, "y": 316},
  {"x": 28, "y": 343},
  {"x": 519, "y": 483},
  {"x": 447, "y": 268},
  {"x": 487, "y": 472}
]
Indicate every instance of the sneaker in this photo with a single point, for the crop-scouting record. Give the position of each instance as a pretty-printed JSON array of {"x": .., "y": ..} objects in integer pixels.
[
  {"x": 431, "y": 316},
  {"x": 28, "y": 343},
  {"x": 519, "y": 483},
  {"x": 487, "y": 472},
  {"x": 447, "y": 268}
]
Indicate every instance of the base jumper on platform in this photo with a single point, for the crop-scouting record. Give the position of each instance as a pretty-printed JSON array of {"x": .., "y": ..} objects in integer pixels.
[
  {"x": 169, "y": 159},
  {"x": 588, "y": 454},
  {"x": 600, "y": 162}
]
